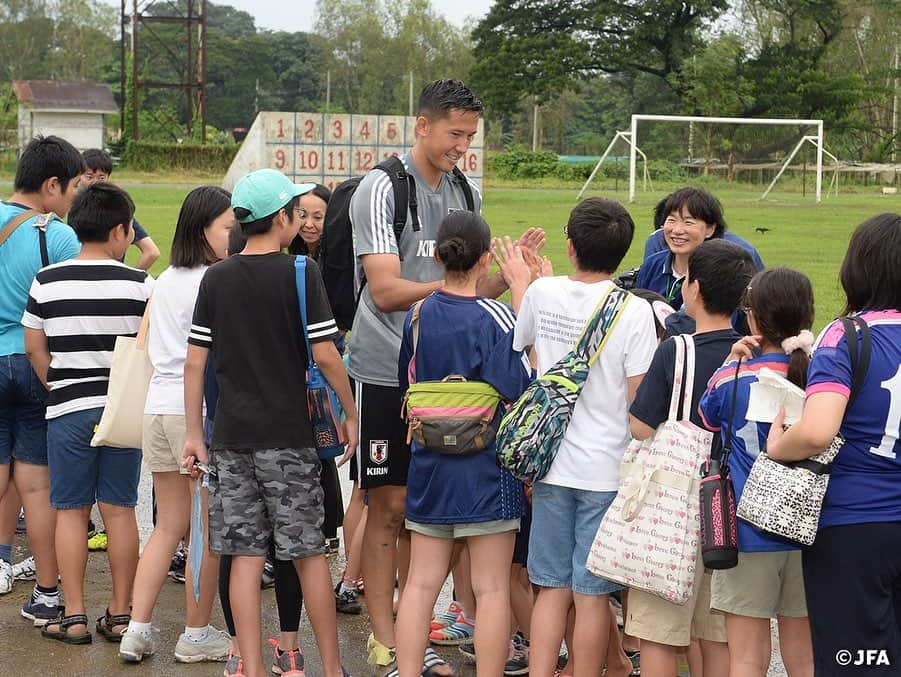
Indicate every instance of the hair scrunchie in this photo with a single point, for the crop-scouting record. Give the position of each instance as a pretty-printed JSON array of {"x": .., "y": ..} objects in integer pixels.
[{"x": 803, "y": 341}]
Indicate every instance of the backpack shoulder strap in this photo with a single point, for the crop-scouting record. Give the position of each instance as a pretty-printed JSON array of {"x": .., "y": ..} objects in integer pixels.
[
  {"x": 606, "y": 314},
  {"x": 15, "y": 222},
  {"x": 404, "y": 187},
  {"x": 860, "y": 352},
  {"x": 300, "y": 281},
  {"x": 465, "y": 187},
  {"x": 414, "y": 328}
]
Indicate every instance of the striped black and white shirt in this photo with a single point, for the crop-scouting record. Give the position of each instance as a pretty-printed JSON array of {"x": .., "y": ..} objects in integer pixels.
[{"x": 83, "y": 306}]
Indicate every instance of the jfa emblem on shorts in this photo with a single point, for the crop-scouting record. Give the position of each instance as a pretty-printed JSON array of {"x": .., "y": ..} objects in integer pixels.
[{"x": 378, "y": 451}]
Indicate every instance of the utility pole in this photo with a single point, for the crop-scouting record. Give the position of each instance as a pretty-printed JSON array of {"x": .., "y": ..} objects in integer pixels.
[
  {"x": 328, "y": 89},
  {"x": 895, "y": 105},
  {"x": 411, "y": 93},
  {"x": 535, "y": 126}
]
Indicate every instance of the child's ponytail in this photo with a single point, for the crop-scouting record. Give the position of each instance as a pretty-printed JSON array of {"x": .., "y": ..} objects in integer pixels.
[
  {"x": 780, "y": 301},
  {"x": 799, "y": 348}
]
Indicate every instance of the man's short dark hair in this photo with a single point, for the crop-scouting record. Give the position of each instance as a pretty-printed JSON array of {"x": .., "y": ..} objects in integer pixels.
[
  {"x": 98, "y": 160},
  {"x": 722, "y": 270},
  {"x": 440, "y": 97},
  {"x": 700, "y": 204},
  {"x": 43, "y": 158},
  {"x": 263, "y": 225},
  {"x": 98, "y": 209},
  {"x": 601, "y": 231}
]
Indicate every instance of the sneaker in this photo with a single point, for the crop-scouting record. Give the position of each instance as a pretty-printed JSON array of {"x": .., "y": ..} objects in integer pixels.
[
  {"x": 518, "y": 661},
  {"x": 562, "y": 657},
  {"x": 92, "y": 531},
  {"x": 267, "y": 580},
  {"x": 234, "y": 666},
  {"x": 40, "y": 609},
  {"x": 98, "y": 542},
  {"x": 332, "y": 545},
  {"x": 134, "y": 646},
  {"x": 346, "y": 602},
  {"x": 25, "y": 570},
  {"x": 177, "y": 566},
  {"x": 6, "y": 577},
  {"x": 444, "y": 618},
  {"x": 458, "y": 632},
  {"x": 20, "y": 523},
  {"x": 288, "y": 663},
  {"x": 214, "y": 648},
  {"x": 468, "y": 649}
]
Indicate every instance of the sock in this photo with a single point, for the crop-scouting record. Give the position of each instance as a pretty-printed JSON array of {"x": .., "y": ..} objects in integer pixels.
[
  {"x": 46, "y": 596},
  {"x": 6, "y": 552},
  {"x": 140, "y": 628},
  {"x": 467, "y": 620},
  {"x": 346, "y": 588},
  {"x": 197, "y": 634}
]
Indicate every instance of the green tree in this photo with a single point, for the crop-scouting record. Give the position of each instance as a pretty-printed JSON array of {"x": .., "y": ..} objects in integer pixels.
[
  {"x": 540, "y": 47},
  {"x": 372, "y": 47}
]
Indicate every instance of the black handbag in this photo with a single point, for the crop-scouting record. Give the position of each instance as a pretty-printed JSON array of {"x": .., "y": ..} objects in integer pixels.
[{"x": 719, "y": 529}]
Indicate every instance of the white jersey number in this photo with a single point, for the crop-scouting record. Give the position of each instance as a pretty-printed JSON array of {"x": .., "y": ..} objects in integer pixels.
[{"x": 893, "y": 420}]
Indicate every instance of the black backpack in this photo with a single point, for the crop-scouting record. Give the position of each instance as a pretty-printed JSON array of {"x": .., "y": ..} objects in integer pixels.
[{"x": 336, "y": 259}]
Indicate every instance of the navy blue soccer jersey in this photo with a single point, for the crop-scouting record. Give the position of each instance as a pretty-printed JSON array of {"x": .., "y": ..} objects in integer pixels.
[
  {"x": 865, "y": 484},
  {"x": 748, "y": 437},
  {"x": 472, "y": 337}
]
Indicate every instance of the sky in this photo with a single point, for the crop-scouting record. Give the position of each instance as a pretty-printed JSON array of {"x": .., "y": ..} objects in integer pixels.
[{"x": 300, "y": 15}]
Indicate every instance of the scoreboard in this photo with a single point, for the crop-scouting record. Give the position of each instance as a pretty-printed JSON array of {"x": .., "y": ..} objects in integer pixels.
[{"x": 328, "y": 148}]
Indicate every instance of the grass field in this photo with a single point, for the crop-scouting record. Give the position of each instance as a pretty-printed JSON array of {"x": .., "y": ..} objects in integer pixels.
[{"x": 809, "y": 237}]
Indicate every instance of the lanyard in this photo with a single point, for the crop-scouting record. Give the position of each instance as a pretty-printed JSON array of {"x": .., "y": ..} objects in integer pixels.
[{"x": 674, "y": 289}]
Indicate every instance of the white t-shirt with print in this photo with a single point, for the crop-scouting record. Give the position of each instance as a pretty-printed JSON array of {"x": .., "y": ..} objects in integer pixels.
[
  {"x": 553, "y": 314},
  {"x": 171, "y": 310}
]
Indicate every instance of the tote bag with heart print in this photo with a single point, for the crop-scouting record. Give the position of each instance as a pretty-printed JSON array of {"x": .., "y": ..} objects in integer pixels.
[{"x": 648, "y": 538}]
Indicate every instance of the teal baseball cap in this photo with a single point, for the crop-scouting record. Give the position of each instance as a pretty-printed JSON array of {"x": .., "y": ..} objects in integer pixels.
[{"x": 264, "y": 192}]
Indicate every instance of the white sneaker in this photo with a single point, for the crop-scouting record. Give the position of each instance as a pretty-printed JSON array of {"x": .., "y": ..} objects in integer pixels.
[
  {"x": 25, "y": 570},
  {"x": 134, "y": 646},
  {"x": 6, "y": 577},
  {"x": 214, "y": 648}
]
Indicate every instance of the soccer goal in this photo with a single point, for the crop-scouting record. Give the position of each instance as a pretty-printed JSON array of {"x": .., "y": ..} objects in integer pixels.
[{"x": 653, "y": 145}]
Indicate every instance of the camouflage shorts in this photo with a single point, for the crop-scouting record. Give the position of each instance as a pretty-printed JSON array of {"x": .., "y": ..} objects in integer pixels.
[{"x": 266, "y": 495}]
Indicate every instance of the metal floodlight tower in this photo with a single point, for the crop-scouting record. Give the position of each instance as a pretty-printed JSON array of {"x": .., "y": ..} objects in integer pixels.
[{"x": 190, "y": 64}]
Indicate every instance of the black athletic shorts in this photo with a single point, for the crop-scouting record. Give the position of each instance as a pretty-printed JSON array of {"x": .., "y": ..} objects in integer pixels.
[
  {"x": 383, "y": 457},
  {"x": 852, "y": 579},
  {"x": 521, "y": 545}
]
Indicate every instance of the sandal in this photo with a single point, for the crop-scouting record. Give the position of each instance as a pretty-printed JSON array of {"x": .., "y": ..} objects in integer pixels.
[
  {"x": 432, "y": 661},
  {"x": 64, "y": 623},
  {"x": 107, "y": 622}
]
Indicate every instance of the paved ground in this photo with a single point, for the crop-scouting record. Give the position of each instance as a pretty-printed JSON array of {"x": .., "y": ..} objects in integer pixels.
[{"x": 25, "y": 652}]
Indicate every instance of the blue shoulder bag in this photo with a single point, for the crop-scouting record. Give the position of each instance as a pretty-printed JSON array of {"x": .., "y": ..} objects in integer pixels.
[{"x": 321, "y": 399}]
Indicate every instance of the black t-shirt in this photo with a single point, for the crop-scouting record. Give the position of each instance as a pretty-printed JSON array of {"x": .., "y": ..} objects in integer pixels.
[
  {"x": 651, "y": 404},
  {"x": 247, "y": 309}
]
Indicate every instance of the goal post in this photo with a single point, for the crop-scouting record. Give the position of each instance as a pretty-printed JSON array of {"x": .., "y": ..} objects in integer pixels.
[{"x": 816, "y": 139}]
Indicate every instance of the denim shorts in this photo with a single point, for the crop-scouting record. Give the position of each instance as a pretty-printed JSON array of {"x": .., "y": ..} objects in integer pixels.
[
  {"x": 23, "y": 428},
  {"x": 80, "y": 474},
  {"x": 564, "y": 524}
]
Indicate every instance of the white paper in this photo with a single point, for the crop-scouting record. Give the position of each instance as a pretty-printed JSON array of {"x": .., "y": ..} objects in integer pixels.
[{"x": 771, "y": 392}]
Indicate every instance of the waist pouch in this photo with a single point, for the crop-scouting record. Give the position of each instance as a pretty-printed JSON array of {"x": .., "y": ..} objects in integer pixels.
[{"x": 452, "y": 416}]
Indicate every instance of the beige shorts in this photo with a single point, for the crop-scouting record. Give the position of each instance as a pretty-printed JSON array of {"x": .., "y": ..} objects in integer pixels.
[
  {"x": 763, "y": 585},
  {"x": 463, "y": 530},
  {"x": 653, "y": 619},
  {"x": 164, "y": 442}
]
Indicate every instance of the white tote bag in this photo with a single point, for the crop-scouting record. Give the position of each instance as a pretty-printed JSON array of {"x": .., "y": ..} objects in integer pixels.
[
  {"x": 648, "y": 538},
  {"x": 122, "y": 421}
]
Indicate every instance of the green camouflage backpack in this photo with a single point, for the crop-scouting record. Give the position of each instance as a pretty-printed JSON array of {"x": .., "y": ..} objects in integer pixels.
[{"x": 531, "y": 432}]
